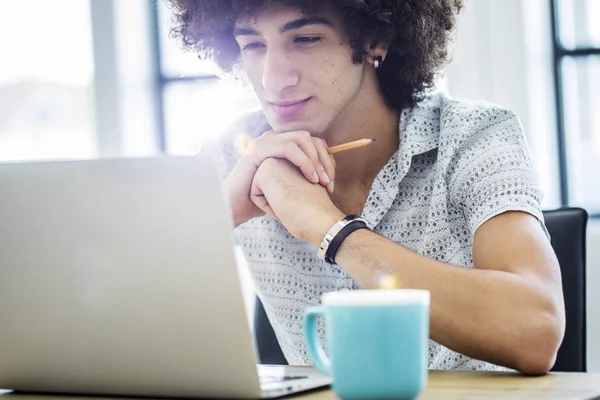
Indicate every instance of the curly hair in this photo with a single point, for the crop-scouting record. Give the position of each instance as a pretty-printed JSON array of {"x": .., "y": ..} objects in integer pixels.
[{"x": 417, "y": 34}]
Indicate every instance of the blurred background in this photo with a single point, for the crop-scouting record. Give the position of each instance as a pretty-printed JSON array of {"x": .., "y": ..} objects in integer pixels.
[{"x": 96, "y": 78}]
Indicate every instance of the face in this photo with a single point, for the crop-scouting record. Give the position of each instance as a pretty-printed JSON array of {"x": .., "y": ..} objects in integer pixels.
[{"x": 300, "y": 67}]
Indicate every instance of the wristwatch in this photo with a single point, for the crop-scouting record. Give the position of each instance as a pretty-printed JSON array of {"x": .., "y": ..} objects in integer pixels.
[{"x": 336, "y": 235}]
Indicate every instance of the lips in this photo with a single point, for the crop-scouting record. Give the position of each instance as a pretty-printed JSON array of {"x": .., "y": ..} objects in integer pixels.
[{"x": 289, "y": 108}]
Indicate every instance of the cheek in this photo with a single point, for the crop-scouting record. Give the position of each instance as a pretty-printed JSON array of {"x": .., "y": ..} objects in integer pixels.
[
  {"x": 253, "y": 72},
  {"x": 343, "y": 80}
]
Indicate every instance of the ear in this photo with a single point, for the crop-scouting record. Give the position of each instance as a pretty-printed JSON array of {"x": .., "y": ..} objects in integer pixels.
[{"x": 378, "y": 52}]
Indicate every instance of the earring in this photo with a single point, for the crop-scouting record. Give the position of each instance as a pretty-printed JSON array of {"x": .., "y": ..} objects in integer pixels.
[{"x": 377, "y": 61}]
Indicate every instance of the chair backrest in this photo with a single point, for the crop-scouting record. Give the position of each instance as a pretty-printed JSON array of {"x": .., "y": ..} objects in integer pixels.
[
  {"x": 567, "y": 228},
  {"x": 269, "y": 351}
]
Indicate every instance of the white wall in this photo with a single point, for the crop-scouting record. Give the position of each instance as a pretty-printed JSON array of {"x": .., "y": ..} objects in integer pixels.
[{"x": 503, "y": 55}]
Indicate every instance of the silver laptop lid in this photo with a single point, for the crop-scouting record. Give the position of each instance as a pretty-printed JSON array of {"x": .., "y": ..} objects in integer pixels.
[{"x": 118, "y": 277}]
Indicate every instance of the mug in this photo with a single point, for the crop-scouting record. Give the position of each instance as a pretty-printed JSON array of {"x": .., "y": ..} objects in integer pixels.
[{"x": 378, "y": 342}]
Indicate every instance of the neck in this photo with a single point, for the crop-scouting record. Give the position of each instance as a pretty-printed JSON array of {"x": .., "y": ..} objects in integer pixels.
[{"x": 366, "y": 117}]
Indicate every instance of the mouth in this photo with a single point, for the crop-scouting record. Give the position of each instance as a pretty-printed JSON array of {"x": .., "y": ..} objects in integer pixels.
[{"x": 288, "y": 108}]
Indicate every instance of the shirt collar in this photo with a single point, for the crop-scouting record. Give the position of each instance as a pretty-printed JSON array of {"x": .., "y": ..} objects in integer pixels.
[
  {"x": 419, "y": 132},
  {"x": 420, "y": 127}
]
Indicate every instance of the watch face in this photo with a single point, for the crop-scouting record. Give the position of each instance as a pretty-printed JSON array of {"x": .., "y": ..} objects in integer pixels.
[{"x": 324, "y": 250}]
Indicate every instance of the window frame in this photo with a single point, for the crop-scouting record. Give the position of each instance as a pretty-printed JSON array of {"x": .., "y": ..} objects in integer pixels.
[
  {"x": 559, "y": 54},
  {"x": 162, "y": 81}
]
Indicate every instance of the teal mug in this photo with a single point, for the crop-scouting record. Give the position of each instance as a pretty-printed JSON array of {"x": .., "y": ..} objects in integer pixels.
[{"x": 377, "y": 339}]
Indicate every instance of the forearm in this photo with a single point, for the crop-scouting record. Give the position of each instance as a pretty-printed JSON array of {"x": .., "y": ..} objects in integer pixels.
[
  {"x": 242, "y": 209},
  {"x": 491, "y": 315},
  {"x": 238, "y": 217}
]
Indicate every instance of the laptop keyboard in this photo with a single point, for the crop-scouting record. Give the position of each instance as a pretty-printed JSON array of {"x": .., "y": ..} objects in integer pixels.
[{"x": 278, "y": 378}]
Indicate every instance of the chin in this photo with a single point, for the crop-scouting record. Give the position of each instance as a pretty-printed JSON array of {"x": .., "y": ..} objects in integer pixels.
[
  {"x": 306, "y": 120},
  {"x": 290, "y": 126}
]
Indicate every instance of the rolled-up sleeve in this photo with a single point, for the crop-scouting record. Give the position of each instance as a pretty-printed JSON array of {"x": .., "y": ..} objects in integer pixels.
[{"x": 494, "y": 171}]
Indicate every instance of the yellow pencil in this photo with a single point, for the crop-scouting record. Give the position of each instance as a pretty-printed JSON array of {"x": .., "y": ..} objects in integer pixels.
[{"x": 350, "y": 145}]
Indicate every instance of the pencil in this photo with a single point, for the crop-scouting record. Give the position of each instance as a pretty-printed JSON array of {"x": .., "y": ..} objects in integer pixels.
[{"x": 350, "y": 145}]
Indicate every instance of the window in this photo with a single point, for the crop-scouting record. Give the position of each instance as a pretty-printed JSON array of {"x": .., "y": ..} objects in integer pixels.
[
  {"x": 196, "y": 104},
  {"x": 195, "y": 101},
  {"x": 577, "y": 77},
  {"x": 46, "y": 80}
]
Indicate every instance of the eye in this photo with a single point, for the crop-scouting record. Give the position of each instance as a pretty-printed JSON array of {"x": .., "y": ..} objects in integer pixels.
[
  {"x": 307, "y": 39},
  {"x": 252, "y": 46}
]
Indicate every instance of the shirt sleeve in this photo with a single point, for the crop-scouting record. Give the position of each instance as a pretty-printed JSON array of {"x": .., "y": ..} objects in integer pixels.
[{"x": 494, "y": 171}]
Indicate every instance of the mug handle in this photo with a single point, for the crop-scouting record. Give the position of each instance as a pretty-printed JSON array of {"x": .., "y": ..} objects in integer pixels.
[{"x": 313, "y": 344}]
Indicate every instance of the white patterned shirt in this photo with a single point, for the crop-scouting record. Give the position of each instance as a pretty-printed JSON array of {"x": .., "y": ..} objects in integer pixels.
[{"x": 458, "y": 165}]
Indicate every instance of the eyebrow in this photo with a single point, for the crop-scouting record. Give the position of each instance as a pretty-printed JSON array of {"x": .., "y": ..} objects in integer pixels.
[
  {"x": 245, "y": 32},
  {"x": 306, "y": 21},
  {"x": 290, "y": 26}
]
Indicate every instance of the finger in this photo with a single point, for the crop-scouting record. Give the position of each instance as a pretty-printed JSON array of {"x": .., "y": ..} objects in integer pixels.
[
  {"x": 286, "y": 149},
  {"x": 326, "y": 161},
  {"x": 305, "y": 141},
  {"x": 259, "y": 199},
  {"x": 307, "y": 144},
  {"x": 293, "y": 153},
  {"x": 261, "y": 202},
  {"x": 335, "y": 169}
]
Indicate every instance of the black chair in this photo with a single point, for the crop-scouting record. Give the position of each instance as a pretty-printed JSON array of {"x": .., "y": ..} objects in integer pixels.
[
  {"x": 567, "y": 227},
  {"x": 269, "y": 351}
]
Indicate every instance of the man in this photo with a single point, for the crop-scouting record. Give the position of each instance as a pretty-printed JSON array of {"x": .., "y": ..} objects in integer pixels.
[{"x": 447, "y": 189}]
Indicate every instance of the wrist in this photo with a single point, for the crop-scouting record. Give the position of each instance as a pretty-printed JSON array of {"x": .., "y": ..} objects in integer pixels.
[
  {"x": 244, "y": 213},
  {"x": 338, "y": 234},
  {"x": 238, "y": 220},
  {"x": 323, "y": 223},
  {"x": 242, "y": 209}
]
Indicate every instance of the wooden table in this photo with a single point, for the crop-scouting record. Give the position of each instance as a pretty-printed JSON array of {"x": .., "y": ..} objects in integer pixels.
[
  {"x": 458, "y": 385},
  {"x": 465, "y": 385}
]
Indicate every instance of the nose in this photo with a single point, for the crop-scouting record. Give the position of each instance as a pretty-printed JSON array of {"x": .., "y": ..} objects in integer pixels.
[{"x": 279, "y": 72}]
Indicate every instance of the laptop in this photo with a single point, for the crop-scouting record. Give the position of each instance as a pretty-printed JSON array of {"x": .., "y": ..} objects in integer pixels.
[{"x": 118, "y": 277}]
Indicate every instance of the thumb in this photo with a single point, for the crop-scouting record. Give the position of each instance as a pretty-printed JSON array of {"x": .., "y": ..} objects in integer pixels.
[{"x": 260, "y": 200}]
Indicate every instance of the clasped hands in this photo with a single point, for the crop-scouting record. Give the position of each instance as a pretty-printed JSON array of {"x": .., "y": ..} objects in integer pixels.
[{"x": 290, "y": 177}]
